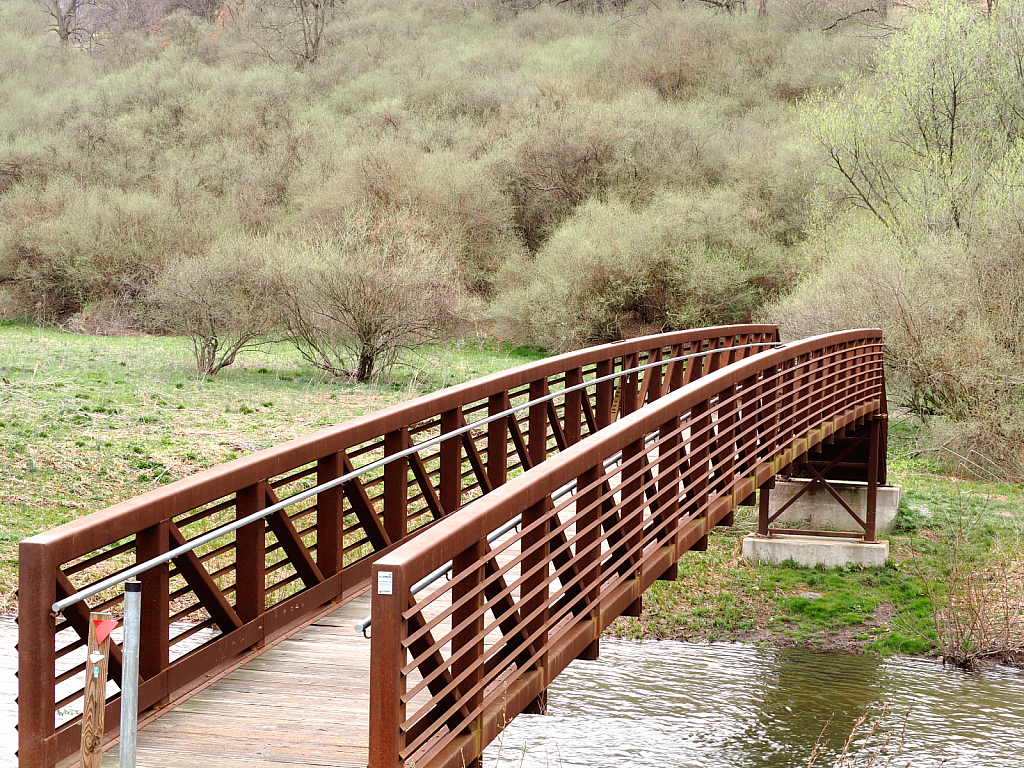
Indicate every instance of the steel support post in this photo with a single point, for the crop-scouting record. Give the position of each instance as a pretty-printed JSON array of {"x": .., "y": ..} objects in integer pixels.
[
  {"x": 763, "y": 497},
  {"x": 572, "y": 412},
  {"x": 537, "y": 425},
  {"x": 130, "y": 672},
  {"x": 251, "y": 557},
  {"x": 468, "y": 594},
  {"x": 37, "y": 591},
  {"x": 155, "y": 598},
  {"x": 536, "y": 569},
  {"x": 497, "y": 440},
  {"x": 588, "y": 545},
  {"x": 450, "y": 473},
  {"x": 396, "y": 485},
  {"x": 330, "y": 519},
  {"x": 874, "y": 448}
]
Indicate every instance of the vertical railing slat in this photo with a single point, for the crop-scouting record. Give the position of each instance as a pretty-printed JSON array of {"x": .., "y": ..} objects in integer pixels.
[
  {"x": 250, "y": 555},
  {"x": 154, "y": 639}
]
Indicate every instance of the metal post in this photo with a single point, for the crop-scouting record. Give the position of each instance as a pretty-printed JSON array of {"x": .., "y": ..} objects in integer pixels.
[
  {"x": 874, "y": 448},
  {"x": 762, "y": 513},
  {"x": 130, "y": 671}
]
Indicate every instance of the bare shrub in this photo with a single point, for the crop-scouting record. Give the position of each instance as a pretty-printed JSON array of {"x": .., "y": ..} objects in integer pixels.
[
  {"x": 872, "y": 742},
  {"x": 222, "y": 300},
  {"x": 977, "y": 589},
  {"x": 357, "y": 299},
  {"x": 982, "y": 614},
  {"x": 951, "y": 329},
  {"x": 67, "y": 247}
]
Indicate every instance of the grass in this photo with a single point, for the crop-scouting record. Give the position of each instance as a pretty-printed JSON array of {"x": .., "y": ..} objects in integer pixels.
[{"x": 87, "y": 421}]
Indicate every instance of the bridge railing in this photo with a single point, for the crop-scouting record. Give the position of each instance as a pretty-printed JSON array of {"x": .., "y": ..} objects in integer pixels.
[
  {"x": 221, "y": 598},
  {"x": 450, "y": 667}
]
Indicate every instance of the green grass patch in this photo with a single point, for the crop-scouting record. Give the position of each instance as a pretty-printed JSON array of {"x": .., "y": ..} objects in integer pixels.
[{"x": 88, "y": 421}]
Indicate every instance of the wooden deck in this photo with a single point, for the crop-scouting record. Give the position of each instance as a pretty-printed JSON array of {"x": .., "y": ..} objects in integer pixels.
[{"x": 303, "y": 702}]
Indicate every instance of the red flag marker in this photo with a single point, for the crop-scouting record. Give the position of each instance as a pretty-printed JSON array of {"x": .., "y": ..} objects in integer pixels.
[{"x": 104, "y": 628}]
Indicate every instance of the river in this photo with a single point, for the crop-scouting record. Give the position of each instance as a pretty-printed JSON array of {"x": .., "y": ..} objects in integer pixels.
[
  {"x": 681, "y": 705},
  {"x": 667, "y": 704}
]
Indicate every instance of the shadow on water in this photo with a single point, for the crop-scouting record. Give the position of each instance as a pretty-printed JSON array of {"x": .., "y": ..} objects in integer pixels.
[
  {"x": 660, "y": 704},
  {"x": 792, "y": 688}
]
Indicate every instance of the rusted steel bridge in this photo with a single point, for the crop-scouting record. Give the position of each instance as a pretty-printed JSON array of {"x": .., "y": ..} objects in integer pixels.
[{"x": 551, "y": 496}]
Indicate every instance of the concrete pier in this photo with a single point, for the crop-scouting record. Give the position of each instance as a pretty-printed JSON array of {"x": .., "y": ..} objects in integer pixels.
[
  {"x": 817, "y": 508},
  {"x": 814, "y": 550}
]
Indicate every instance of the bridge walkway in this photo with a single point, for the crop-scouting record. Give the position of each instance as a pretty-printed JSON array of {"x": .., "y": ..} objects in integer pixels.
[{"x": 302, "y": 702}]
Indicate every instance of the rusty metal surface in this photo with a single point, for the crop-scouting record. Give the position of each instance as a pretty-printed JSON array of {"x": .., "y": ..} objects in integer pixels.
[
  {"x": 241, "y": 589},
  {"x": 439, "y": 693}
]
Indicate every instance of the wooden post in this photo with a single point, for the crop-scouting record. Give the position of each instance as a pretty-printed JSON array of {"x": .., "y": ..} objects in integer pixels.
[{"x": 95, "y": 694}]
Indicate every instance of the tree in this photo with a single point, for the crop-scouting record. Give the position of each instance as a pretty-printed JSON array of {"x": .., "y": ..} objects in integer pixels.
[
  {"x": 917, "y": 145},
  {"x": 288, "y": 28},
  {"x": 67, "y": 17},
  {"x": 354, "y": 301}
]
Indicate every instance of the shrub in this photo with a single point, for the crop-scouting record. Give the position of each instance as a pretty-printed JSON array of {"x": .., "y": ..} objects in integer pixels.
[
  {"x": 950, "y": 313},
  {"x": 68, "y": 246},
  {"x": 554, "y": 170},
  {"x": 356, "y": 299},
  {"x": 222, "y": 300},
  {"x": 612, "y": 272}
]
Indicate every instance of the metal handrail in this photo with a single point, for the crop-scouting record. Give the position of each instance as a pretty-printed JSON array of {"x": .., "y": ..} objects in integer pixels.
[{"x": 216, "y": 533}]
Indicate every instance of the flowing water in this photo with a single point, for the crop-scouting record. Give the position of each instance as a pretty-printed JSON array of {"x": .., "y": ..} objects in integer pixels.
[
  {"x": 679, "y": 705},
  {"x": 668, "y": 704}
]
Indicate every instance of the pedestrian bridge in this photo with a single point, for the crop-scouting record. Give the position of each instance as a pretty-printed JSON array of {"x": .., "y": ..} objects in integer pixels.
[{"x": 482, "y": 537}]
